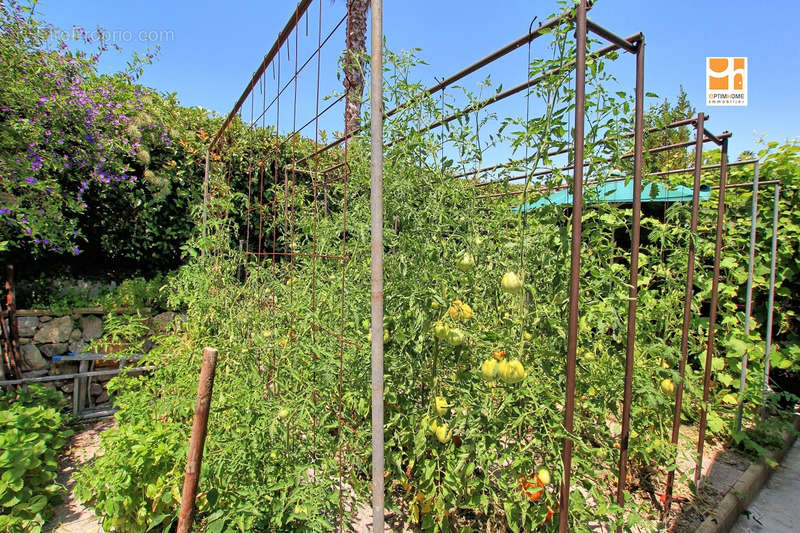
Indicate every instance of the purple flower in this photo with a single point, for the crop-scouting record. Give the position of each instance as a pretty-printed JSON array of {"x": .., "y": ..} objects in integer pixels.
[{"x": 31, "y": 180}]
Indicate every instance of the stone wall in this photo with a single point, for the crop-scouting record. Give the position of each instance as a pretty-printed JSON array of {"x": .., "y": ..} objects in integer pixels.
[{"x": 44, "y": 335}]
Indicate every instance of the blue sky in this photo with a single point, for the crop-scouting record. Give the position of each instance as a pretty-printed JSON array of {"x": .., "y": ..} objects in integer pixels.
[{"x": 210, "y": 49}]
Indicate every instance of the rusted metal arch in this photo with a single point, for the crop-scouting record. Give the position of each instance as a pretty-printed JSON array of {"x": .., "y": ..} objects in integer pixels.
[
  {"x": 654, "y": 129},
  {"x": 546, "y": 172}
]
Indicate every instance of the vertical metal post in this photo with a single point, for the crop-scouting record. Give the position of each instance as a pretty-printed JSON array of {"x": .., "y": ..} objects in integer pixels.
[
  {"x": 194, "y": 460},
  {"x": 376, "y": 256},
  {"x": 633, "y": 294},
  {"x": 205, "y": 192},
  {"x": 748, "y": 305},
  {"x": 712, "y": 320},
  {"x": 771, "y": 297},
  {"x": 687, "y": 302},
  {"x": 575, "y": 257}
]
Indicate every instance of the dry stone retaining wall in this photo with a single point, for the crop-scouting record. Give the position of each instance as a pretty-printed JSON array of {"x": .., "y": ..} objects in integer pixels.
[{"x": 44, "y": 335}]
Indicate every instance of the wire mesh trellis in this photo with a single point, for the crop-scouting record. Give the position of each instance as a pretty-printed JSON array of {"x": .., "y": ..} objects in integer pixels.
[
  {"x": 287, "y": 188},
  {"x": 299, "y": 188}
]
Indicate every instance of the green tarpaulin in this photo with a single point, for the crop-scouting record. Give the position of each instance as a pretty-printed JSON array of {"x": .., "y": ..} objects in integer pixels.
[{"x": 620, "y": 192}]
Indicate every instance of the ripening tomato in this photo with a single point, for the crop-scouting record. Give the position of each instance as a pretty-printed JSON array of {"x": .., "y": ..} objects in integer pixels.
[
  {"x": 455, "y": 310},
  {"x": 489, "y": 370},
  {"x": 668, "y": 387},
  {"x": 460, "y": 311},
  {"x": 533, "y": 490},
  {"x": 444, "y": 433},
  {"x": 440, "y": 405}
]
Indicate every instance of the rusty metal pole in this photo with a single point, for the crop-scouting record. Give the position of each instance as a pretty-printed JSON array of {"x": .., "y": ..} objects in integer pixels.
[
  {"x": 194, "y": 459},
  {"x": 748, "y": 306},
  {"x": 633, "y": 292},
  {"x": 14, "y": 357},
  {"x": 712, "y": 320},
  {"x": 575, "y": 258},
  {"x": 376, "y": 257},
  {"x": 687, "y": 303},
  {"x": 771, "y": 298}
]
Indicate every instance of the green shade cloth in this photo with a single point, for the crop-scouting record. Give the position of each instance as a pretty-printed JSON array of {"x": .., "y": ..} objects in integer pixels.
[{"x": 619, "y": 192}]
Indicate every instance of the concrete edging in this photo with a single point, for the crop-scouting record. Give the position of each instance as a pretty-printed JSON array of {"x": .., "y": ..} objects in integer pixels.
[{"x": 746, "y": 488}]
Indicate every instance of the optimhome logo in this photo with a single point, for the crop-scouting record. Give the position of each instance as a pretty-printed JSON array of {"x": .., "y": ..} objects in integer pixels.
[{"x": 726, "y": 81}]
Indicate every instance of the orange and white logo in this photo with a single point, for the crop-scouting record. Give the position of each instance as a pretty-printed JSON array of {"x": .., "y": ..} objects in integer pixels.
[{"x": 726, "y": 81}]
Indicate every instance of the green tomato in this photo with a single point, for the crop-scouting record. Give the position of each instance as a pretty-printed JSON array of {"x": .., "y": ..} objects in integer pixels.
[
  {"x": 441, "y": 331},
  {"x": 544, "y": 476},
  {"x": 511, "y": 372},
  {"x": 455, "y": 337},
  {"x": 466, "y": 263},
  {"x": 385, "y": 336},
  {"x": 511, "y": 283}
]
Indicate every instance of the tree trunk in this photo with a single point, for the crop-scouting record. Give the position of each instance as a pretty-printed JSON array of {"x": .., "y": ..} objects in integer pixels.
[{"x": 354, "y": 64}]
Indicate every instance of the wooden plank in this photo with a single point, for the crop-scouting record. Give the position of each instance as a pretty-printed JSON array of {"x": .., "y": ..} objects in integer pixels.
[
  {"x": 94, "y": 357},
  {"x": 78, "y": 311},
  {"x": 98, "y": 414},
  {"x": 65, "y": 377}
]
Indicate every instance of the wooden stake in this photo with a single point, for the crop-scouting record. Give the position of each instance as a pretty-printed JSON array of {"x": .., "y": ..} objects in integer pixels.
[
  {"x": 13, "y": 357},
  {"x": 199, "y": 429}
]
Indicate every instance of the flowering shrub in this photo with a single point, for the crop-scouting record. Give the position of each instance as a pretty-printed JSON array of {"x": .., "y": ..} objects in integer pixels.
[{"x": 62, "y": 128}]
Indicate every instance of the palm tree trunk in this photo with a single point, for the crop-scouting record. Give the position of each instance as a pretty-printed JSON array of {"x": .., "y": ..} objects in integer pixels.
[{"x": 354, "y": 64}]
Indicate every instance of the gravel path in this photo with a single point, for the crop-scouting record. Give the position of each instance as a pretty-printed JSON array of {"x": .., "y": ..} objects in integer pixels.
[{"x": 71, "y": 516}]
